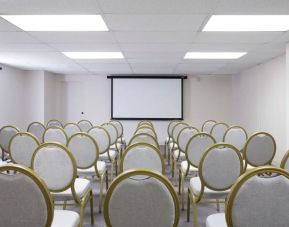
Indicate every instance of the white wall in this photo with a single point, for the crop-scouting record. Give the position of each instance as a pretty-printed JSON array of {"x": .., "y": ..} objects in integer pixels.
[
  {"x": 260, "y": 98},
  {"x": 206, "y": 97}
]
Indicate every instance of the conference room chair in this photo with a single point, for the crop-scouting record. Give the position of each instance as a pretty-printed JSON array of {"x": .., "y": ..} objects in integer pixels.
[
  {"x": 141, "y": 198},
  {"x": 54, "y": 122},
  {"x": 84, "y": 125},
  {"x": 112, "y": 131},
  {"x": 258, "y": 198},
  {"x": 86, "y": 153},
  {"x": 37, "y": 129},
  {"x": 218, "y": 131},
  {"x": 21, "y": 148},
  {"x": 183, "y": 139},
  {"x": 146, "y": 129},
  {"x": 145, "y": 138},
  {"x": 25, "y": 200},
  {"x": 285, "y": 161},
  {"x": 55, "y": 134},
  {"x": 208, "y": 125},
  {"x": 6, "y": 134},
  {"x": 56, "y": 165},
  {"x": 174, "y": 150},
  {"x": 142, "y": 155},
  {"x": 169, "y": 139},
  {"x": 71, "y": 129},
  {"x": 196, "y": 147},
  {"x": 102, "y": 138},
  {"x": 145, "y": 122},
  {"x": 219, "y": 168},
  {"x": 259, "y": 150},
  {"x": 120, "y": 134},
  {"x": 237, "y": 136}
]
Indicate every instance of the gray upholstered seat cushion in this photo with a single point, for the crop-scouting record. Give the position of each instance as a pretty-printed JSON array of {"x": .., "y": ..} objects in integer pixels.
[
  {"x": 216, "y": 220},
  {"x": 195, "y": 185},
  {"x": 65, "y": 218},
  {"x": 184, "y": 166},
  {"x": 101, "y": 167},
  {"x": 81, "y": 187},
  {"x": 104, "y": 156},
  {"x": 177, "y": 153}
]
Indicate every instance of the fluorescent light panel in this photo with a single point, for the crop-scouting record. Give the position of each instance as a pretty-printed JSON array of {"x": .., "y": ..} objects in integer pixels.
[
  {"x": 235, "y": 23},
  {"x": 94, "y": 55},
  {"x": 57, "y": 22},
  {"x": 214, "y": 55}
]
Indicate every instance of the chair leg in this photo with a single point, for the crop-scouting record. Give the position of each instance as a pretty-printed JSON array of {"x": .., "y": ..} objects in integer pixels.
[
  {"x": 195, "y": 210},
  {"x": 188, "y": 205},
  {"x": 116, "y": 168},
  {"x": 81, "y": 214},
  {"x": 179, "y": 181},
  {"x": 100, "y": 193},
  {"x": 64, "y": 205},
  {"x": 111, "y": 170},
  {"x": 91, "y": 207},
  {"x": 169, "y": 156},
  {"x": 218, "y": 204},
  {"x": 106, "y": 179},
  {"x": 183, "y": 189},
  {"x": 173, "y": 168}
]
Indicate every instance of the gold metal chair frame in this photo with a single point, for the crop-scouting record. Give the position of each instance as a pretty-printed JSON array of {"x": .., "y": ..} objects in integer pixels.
[
  {"x": 128, "y": 149},
  {"x": 40, "y": 183},
  {"x": 94, "y": 164},
  {"x": 55, "y": 127},
  {"x": 84, "y": 120},
  {"x": 71, "y": 123},
  {"x": 134, "y": 172},
  {"x": 203, "y": 125},
  {"x": 246, "y": 147},
  {"x": 232, "y": 127},
  {"x": 217, "y": 124},
  {"x": 166, "y": 154},
  {"x": 51, "y": 120},
  {"x": 3, "y": 150},
  {"x": 198, "y": 198},
  {"x": 144, "y": 134},
  {"x": 21, "y": 134},
  {"x": 39, "y": 123},
  {"x": 88, "y": 196},
  {"x": 242, "y": 179}
]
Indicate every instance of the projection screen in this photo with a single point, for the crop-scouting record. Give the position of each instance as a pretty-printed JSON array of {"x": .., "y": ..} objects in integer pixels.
[{"x": 152, "y": 98}]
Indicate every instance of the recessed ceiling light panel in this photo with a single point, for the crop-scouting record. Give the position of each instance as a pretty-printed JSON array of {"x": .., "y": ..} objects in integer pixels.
[
  {"x": 57, "y": 22},
  {"x": 247, "y": 23},
  {"x": 94, "y": 55},
  {"x": 214, "y": 55}
]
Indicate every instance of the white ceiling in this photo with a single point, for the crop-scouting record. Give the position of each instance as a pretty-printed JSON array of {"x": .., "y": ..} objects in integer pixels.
[{"x": 153, "y": 35}]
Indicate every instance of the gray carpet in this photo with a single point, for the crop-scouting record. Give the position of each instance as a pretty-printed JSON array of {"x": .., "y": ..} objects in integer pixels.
[{"x": 203, "y": 209}]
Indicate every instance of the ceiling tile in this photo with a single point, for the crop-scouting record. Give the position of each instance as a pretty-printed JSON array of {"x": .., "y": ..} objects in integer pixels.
[
  {"x": 74, "y": 37},
  {"x": 155, "y": 37},
  {"x": 49, "y": 7},
  {"x": 158, "y": 7},
  {"x": 16, "y": 37},
  {"x": 236, "y": 37},
  {"x": 211, "y": 47},
  {"x": 92, "y": 46},
  {"x": 145, "y": 47},
  {"x": 148, "y": 22},
  {"x": 5, "y": 26},
  {"x": 198, "y": 67},
  {"x": 24, "y": 47},
  {"x": 158, "y": 68}
]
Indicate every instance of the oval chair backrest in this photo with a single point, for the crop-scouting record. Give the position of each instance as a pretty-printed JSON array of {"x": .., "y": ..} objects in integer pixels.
[
  {"x": 142, "y": 155},
  {"x": 171, "y": 126},
  {"x": 24, "y": 198},
  {"x": 37, "y": 129},
  {"x": 184, "y": 135},
  {"x": 55, "y": 134},
  {"x": 144, "y": 138},
  {"x": 256, "y": 194},
  {"x": 220, "y": 167},
  {"x": 85, "y": 125},
  {"x": 176, "y": 130},
  {"x": 6, "y": 134},
  {"x": 218, "y": 131},
  {"x": 207, "y": 126},
  {"x": 55, "y": 165},
  {"x": 71, "y": 129},
  {"x": 237, "y": 136},
  {"x": 111, "y": 129},
  {"x": 196, "y": 147},
  {"x": 21, "y": 148},
  {"x": 147, "y": 196},
  {"x": 145, "y": 122},
  {"x": 54, "y": 123},
  {"x": 146, "y": 130},
  {"x": 119, "y": 128},
  {"x": 145, "y": 125},
  {"x": 260, "y": 149},
  {"x": 84, "y": 150},
  {"x": 101, "y": 137}
]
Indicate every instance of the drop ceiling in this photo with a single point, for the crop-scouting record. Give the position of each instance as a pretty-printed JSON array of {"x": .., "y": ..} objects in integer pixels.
[{"x": 153, "y": 35}]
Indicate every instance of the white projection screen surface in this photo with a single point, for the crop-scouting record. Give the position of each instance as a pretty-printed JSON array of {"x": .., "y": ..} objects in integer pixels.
[{"x": 147, "y": 98}]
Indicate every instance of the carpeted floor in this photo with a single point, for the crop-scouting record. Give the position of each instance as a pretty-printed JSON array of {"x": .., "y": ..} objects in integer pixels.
[{"x": 203, "y": 209}]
